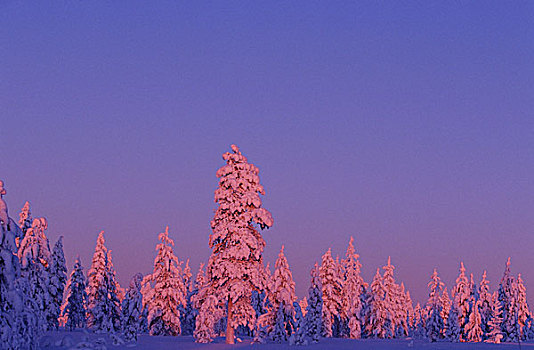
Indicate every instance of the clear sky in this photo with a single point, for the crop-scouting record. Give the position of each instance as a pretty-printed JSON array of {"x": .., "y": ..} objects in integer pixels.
[{"x": 409, "y": 125}]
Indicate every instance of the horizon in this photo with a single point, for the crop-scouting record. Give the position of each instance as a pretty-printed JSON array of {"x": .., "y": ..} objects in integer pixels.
[{"x": 408, "y": 127}]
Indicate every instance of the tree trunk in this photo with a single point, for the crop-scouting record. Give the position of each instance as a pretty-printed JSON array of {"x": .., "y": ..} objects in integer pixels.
[{"x": 229, "y": 327}]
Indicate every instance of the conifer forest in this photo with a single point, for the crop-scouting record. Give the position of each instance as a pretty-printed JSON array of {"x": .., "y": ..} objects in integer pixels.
[{"x": 235, "y": 296}]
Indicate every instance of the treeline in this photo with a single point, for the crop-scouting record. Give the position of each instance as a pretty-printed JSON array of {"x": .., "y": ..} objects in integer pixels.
[{"x": 235, "y": 293}]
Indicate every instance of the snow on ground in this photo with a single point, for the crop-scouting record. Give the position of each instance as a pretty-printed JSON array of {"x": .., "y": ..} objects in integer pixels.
[{"x": 77, "y": 340}]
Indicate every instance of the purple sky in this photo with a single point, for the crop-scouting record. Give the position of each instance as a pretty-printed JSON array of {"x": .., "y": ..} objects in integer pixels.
[{"x": 410, "y": 127}]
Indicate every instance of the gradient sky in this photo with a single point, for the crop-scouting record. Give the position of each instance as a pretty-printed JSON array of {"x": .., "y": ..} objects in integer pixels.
[{"x": 409, "y": 126}]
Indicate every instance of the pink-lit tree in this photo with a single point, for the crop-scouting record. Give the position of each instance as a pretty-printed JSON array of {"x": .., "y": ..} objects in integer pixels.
[{"x": 235, "y": 267}]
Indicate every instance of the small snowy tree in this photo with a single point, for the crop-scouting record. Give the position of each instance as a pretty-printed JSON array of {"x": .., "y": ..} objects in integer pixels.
[
  {"x": 494, "y": 323},
  {"x": 353, "y": 288},
  {"x": 523, "y": 312},
  {"x": 332, "y": 293},
  {"x": 453, "y": 330},
  {"x": 485, "y": 305},
  {"x": 393, "y": 304},
  {"x": 299, "y": 336},
  {"x": 506, "y": 298},
  {"x": 376, "y": 318},
  {"x": 103, "y": 308},
  {"x": 25, "y": 220},
  {"x": 34, "y": 256},
  {"x": 461, "y": 294},
  {"x": 434, "y": 324},
  {"x": 75, "y": 309},
  {"x": 132, "y": 309},
  {"x": 283, "y": 297},
  {"x": 207, "y": 305},
  {"x": 188, "y": 313},
  {"x": 418, "y": 326},
  {"x": 168, "y": 290},
  {"x": 58, "y": 279},
  {"x": 235, "y": 267},
  {"x": 473, "y": 329},
  {"x": 314, "y": 312}
]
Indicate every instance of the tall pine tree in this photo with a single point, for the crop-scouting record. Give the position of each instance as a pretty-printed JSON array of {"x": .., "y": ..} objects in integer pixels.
[{"x": 235, "y": 267}]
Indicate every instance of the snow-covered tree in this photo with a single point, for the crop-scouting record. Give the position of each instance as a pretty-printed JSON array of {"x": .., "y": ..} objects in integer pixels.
[
  {"x": 445, "y": 306},
  {"x": 75, "y": 308},
  {"x": 521, "y": 301},
  {"x": 472, "y": 328},
  {"x": 506, "y": 298},
  {"x": 18, "y": 324},
  {"x": 395, "y": 321},
  {"x": 332, "y": 293},
  {"x": 494, "y": 323},
  {"x": 132, "y": 309},
  {"x": 208, "y": 308},
  {"x": 461, "y": 294},
  {"x": 283, "y": 297},
  {"x": 58, "y": 279},
  {"x": 236, "y": 264},
  {"x": 103, "y": 308},
  {"x": 25, "y": 220},
  {"x": 34, "y": 255},
  {"x": 453, "y": 330},
  {"x": 314, "y": 312},
  {"x": 377, "y": 317},
  {"x": 419, "y": 327},
  {"x": 434, "y": 324},
  {"x": 188, "y": 313},
  {"x": 485, "y": 305},
  {"x": 168, "y": 291},
  {"x": 299, "y": 336},
  {"x": 303, "y": 303},
  {"x": 353, "y": 288}
]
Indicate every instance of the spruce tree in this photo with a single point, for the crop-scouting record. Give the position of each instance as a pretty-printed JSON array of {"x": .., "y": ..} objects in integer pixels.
[
  {"x": 34, "y": 255},
  {"x": 485, "y": 305},
  {"x": 132, "y": 309},
  {"x": 188, "y": 313},
  {"x": 58, "y": 279},
  {"x": 434, "y": 324},
  {"x": 522, "y": 307},
  {"x": 506, "y": 297},
  {"x": 332, "y": 293},
  {"x": 236, "y": 264},
  {"x": 376, "y": 318},
  {"x": 314, "y": 312},
  {"x": 445, "y": 306},
  {"x": 103, "y": 305},
  {"x": 25, "y": 220},
  {"x": 75, "y": 309},
  {"x": 208, "y": 308},
  {"x": 115, "y": 295},
  {"x": 353, "y": 288},
  {"x": 283, "y": 297},
  {"x": 494, "y": 323},
  {"x": 18, "y": 322},
  {"x": 299, "y": 336},
  {"x": 453, "y": 330},
  {"x": 392, "y": 301},
  {"x": 168, "y": 290},
  {"x": 472, "y": 328},
  {"x": 461, "y": 294}
]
